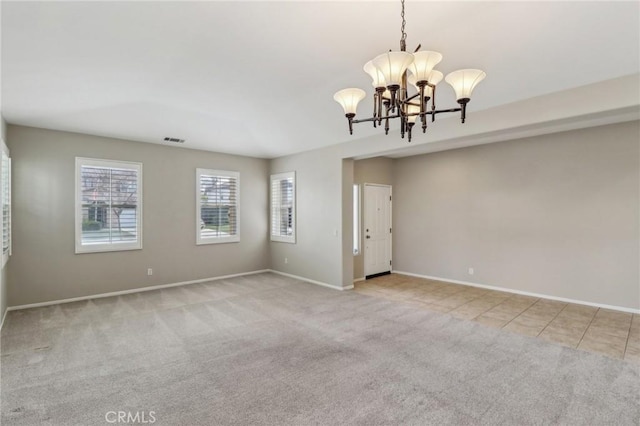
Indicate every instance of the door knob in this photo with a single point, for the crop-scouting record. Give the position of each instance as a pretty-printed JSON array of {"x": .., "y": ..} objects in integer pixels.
[{"x": 368, "y": 237}]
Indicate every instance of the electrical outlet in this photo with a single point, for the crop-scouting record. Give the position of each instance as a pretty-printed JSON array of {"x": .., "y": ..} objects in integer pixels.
[
  {"x": 470, "y": 271},
  {"x": 286, "y": 260},
  {"x": 149, "y": 271}
]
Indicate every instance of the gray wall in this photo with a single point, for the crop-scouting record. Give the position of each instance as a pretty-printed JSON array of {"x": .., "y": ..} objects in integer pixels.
[
  {"x": 372, "y": 170},
  {"x": 3, "y": 272},
  {"x": 320, "y": 190},
  {"x": 43, "y": 213},
  {"x": 555, "y": 214}
]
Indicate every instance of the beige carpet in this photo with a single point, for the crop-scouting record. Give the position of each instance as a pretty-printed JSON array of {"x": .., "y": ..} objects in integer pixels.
[{"x": 264, "y": 349}]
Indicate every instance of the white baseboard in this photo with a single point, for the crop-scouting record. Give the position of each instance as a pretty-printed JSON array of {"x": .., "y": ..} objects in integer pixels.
[
  {"x": 524, "y": 293},
  {"x": 161, "y": 286},
  {"x": 357, "y": 280},
  {"x": 134, "y": 290},
  {"x": 335, "y": 287}
]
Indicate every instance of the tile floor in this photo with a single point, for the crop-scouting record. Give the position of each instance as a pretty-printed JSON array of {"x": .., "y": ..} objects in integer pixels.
[{"x": 607, "y": 332}]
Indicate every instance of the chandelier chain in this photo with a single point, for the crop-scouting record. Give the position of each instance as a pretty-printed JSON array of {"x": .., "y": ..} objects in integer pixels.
[{"x": 403, "y": 39}]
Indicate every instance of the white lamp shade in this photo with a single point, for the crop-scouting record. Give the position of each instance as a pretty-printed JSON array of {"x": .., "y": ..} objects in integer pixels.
[
  {"x": 434, "y": 78},
  {"x": 377, "y": 76},
  {"x": 349, "y": 99},
  {"x": 423, "y": 63},
  {"x": 412, "y": 109},
  {"x": 392, "y": 65},
  {"x": 464, "y": 81}
]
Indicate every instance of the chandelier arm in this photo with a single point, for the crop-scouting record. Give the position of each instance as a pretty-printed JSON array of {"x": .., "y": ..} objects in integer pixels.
[
  {"x": 403, "y": 117},
  {"x": 375, "y": 108},
  {"x": 433, "y": 100},
  {"x": 402, "y": 105},
  {"x": 364, "y": 120},
  {"x": 386, "y": 121},
  {"x": 394, "y": 96},
  {"x": 423, "y": 108},
  {"x": 410, "y": 98},
  {"x": 404, "y": 93},
  {"x": 380, "y": 93},
  {"x": 443, "y": 111},
  {"x": 463, "y": 103},
  {"x": 391, "y": 117},
  {"x": 350, "y": 119}
]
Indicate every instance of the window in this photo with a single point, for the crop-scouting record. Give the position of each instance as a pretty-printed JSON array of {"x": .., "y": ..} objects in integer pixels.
[
  {"x": 217, "y": 199},
  {"x": 356, "y": 219},
  {"x": 5, "y": 191},
  {"x": 108, "y": 205},
  {"x": 283, "y": 207}
]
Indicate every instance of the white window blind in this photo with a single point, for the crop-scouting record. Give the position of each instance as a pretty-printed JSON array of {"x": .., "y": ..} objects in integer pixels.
[
  {"x": 108, "y": 205},
  {"x": 217, "y": 206},
  {"x": 5, "y": 190},
  {"x": 283, "y": 207}
]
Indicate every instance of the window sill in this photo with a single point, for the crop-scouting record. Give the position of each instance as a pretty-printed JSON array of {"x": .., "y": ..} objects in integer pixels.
[
  {"x": 106, "y": 249},
  {"x": 223, "y": 240},
  {"x": 283, "y": 240}
]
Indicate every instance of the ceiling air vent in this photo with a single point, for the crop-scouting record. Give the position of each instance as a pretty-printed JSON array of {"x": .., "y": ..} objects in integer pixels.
[{"x": 174, "y": 140}]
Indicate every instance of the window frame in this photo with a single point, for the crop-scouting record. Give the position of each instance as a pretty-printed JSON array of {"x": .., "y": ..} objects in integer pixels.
[
  {"x": 216, "y": 239},
  {"x": 6, "y": 254},
  {"x": 106, "y": 247},
  {"x": 291, "y": 239}
]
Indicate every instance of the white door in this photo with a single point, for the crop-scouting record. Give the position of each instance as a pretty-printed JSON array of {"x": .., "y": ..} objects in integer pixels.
[{"x": 377, "y": 229}]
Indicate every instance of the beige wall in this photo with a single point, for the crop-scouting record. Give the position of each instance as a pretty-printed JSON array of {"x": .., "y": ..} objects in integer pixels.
[
  {"x": 372, "y": 170},
  {"x": 556, "y": 214},
  {"x": 317, "y": 253},
  {"x": 44, "y": 267}
]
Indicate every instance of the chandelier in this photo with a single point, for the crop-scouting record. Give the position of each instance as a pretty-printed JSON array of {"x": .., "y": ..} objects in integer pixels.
[{"x": 392, "y": 72}]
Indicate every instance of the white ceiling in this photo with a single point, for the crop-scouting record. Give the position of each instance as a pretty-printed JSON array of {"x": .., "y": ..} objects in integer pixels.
[{"x": 258, "y": 78}]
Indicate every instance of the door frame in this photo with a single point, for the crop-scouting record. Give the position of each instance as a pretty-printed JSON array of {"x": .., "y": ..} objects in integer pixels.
[{"x": 364, "y": 221}]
